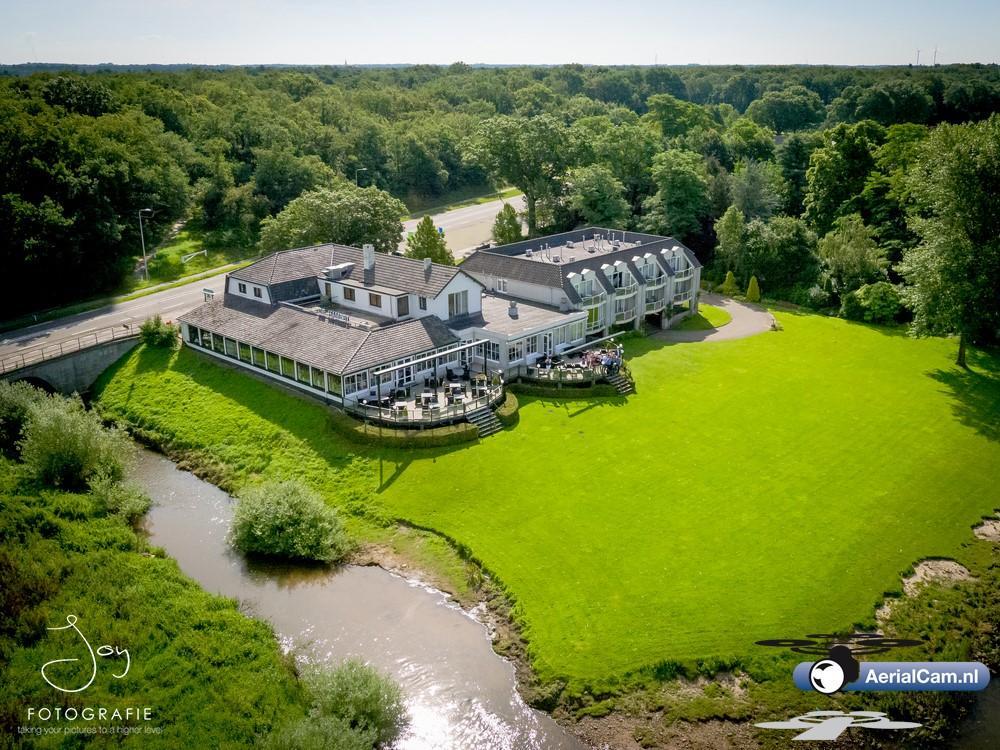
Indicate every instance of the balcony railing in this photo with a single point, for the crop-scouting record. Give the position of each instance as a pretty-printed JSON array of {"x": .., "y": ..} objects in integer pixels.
[
  {"x": 656, "y": 283},
  {"x": 623, "y": 316},
  {"x": 595, "y": 325},
  {"x": 625, "y": 291},
  {"x": 591, "y": 300},
  {"x": 655, "y": 305},
  {"x": 412, "y": 414}
]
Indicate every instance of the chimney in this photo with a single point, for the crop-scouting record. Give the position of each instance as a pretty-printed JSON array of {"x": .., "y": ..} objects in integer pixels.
[
  {"x": 512, "y": 310},
  {"x": 368, "y": 253},
  {"x": 427, "y": 265}
]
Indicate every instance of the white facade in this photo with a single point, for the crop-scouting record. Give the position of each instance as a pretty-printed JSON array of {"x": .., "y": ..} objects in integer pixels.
[{"x": 249, "y": 290}]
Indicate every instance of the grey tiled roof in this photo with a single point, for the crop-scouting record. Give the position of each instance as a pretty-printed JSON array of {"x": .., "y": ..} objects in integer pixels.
[
  {"x": 401, "y": 340},
  {"x": 390, "y": 272},
  {"x": 313, "y": 340},
  {"x": 518, "y": 269}
]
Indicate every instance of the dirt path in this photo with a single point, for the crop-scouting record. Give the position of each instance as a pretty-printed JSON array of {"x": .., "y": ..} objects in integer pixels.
[{"x": 747, "y": 320}]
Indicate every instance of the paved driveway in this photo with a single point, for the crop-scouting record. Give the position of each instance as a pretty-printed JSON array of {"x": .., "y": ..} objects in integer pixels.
[{"x": 747, "y": 320}]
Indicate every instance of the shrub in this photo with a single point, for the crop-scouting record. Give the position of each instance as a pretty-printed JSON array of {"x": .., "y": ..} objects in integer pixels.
[
  {"x": 851, "y": 307},
  {"x": 15, "y": 398},
  {"x": 872, "y": 303},
  {"x": 507, "y": 412},
  {"x": 319, "y": 733},
  {"x": 125, "y": 500},
  {"x": 753, "y": 290},
  {"x": 155, "y": 332},
  {"x": 286, "y": 519},
  {"x": 880, "y": 302},
  {"x": 729, "y": 287},
  {"x": 64, "y": 445},
  {"x": 358, "y": 695}
]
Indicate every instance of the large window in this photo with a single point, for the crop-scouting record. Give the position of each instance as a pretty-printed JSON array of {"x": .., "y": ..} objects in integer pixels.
[
  {"x": 458, "y": 304},
  {"x": 318, "y": 379},
  {"x": 273, "y": 363},
  {"x": 259, "y": 359},
  {"x": 531, "y": 345},
  {"x": 402, "y": 306},
  {"x": 515, "y": 351},
  {"x": 593, "y": 317},
  {"x": 356, "y": 383},
  {"x": 217, "y": 343},
  {"x": 375, "y": 300},
  {"x": 302, "y": 374},
  {"x": 244, "y": 352},
  {"x": 288, "y": 368},
  {"x": 231, "y": 349},
  {"x": 333, "y": 383},
  {"x": 422, "y": 303},
  {"x": 256, "y": 292},
  {"x": 492, "y": 350},
  {"x": 194, "y": 335},
  {"x": 348, "y": 294}
]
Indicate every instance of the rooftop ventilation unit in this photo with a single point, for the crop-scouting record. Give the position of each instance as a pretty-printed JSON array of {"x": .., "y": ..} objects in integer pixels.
[
  {"x": 572, "y": 258},
  {"x": 528, "y": 252},
  {"x": 338, "y": 271},
  {"x": 569, "y": 243},
  {"x": 556, "y": 259}
]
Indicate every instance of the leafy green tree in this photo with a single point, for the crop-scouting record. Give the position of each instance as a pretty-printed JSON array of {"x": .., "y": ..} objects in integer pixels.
[
  {"x": 359, "y": 695},
  {"x": 347, "y": 215},
  {"x": 793, "y": 108},
  {"x": 507, "y": 226},
  {"x": 739, "y": 91},
  {"x": 753, "y": 290},
  {"x": 281, "y": 176},
  {"x": 427, "y": 242},
  {"x": 837, "y": 172},
  {"x": 793, "y": 158},
  {"x": 758, "y": 189},
  {"x": 880, "y": 302},
  {"x": 954, "y": 272},
  {"x": 851, "y": 255},
  {"x": 781, "y": 253},
  {"x": 79, "y": 95},
  {"x": 529, "y": 153},
  {"x": 730, "y": 232},
  {"x": 596, "y": 195},
  {"x": 15, "y": 398},
  {"x": 745, "y": 140},
  {"x": 628, "y": 150},
  {"x": 673, "y": 117},
  {"x": 729, "y": 287},
  {"x": 287, "y": 520},
  {"x": 681, "y": 199},
  {"x": 894, "y": 102}
]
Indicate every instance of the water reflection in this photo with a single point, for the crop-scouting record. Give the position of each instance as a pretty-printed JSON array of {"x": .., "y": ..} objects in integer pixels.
[{"x": 460, "y": 694}]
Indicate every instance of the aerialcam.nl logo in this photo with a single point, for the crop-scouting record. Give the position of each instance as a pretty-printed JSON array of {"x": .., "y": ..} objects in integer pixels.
[{"x": 840, "y": 669}]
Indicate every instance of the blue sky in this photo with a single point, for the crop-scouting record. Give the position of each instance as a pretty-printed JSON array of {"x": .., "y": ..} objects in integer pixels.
[{"x": 501, "y": 31}]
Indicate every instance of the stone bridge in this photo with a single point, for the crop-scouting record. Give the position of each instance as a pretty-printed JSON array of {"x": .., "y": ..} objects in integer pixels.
[{"x": 70, "y": 366}]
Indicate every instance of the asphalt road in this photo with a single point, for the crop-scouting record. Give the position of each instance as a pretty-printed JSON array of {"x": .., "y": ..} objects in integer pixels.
[{"x": 464, "y": 229}]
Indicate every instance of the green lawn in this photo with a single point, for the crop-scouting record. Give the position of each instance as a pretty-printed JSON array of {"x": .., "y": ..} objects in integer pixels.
[
  {"x": 707, "y": 318},
  {"x": 759, "y": 488}
]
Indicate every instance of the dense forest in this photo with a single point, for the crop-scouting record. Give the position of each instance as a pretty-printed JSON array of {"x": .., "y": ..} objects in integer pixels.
[{"x": 800, "y": 176}]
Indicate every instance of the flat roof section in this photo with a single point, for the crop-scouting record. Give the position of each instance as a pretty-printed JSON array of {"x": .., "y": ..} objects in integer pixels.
[{"x": 531, "y": 317}]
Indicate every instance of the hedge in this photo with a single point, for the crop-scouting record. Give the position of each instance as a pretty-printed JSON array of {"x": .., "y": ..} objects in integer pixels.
[
  {"x": 600, "y": 390},
  {"x": 371, "y": 434},
  {"x": 507, "y": 412}
]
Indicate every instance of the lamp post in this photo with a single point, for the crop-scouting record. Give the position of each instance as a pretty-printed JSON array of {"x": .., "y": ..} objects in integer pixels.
[
  {"x": 358, "y": 171},
  {"x": 142, "y": 239}
]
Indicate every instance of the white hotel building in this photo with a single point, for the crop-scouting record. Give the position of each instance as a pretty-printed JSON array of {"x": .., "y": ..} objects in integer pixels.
[{"x": 349, "y": 324}]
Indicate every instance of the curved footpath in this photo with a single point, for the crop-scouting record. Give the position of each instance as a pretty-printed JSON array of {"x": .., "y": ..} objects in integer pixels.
[{"x": 747, "y": 320}]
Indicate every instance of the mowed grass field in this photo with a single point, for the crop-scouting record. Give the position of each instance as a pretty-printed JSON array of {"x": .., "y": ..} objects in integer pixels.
[{"x": 761, "y": 488}]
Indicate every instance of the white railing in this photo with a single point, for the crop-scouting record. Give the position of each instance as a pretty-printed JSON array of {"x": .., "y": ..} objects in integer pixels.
[{"x": 625, "y": 291}]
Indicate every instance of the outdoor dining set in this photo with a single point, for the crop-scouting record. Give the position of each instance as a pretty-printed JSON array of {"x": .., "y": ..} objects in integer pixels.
[{"x": 432, "y": 396}]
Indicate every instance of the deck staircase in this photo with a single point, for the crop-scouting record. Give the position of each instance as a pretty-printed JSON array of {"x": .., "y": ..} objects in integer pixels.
[
  {"x": 486, "y": 421},
  {"x": 622, "y": 384}
]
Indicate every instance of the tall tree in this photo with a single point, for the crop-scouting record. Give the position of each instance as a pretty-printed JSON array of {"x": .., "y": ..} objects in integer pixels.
[
  {"x": 757, "y": 189},
  {"x": 794, "y": 108},
  {"x": 348, "y": 215},
  {"x": 427, "y": 242},
  {"x": 730, "y": 231},
  {"x": 793, "y": 158},
  {"x": 851, "y": 255},
  {"x": 954, "y": 271},
  {"x": 681, "y": 200},
  {"x": 596, "y": 195},
  {"x": 838, "y": 171},
  {"x": 507, "y": 226},
  {"x": 529, "y": 153}
]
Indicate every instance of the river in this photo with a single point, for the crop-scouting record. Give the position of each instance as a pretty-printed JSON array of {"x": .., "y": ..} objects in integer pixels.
[{"x": 459, "y": 692}]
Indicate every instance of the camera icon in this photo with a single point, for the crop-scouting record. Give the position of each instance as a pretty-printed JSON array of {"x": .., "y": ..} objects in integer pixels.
[{"x": 829, "y": 675}]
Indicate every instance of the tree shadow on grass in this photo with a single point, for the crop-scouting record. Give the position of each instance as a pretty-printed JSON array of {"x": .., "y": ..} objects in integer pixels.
[{"x": 975, "y": 392}]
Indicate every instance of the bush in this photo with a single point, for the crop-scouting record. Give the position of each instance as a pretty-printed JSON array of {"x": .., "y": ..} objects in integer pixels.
[
  {"x": 125, "y": 500},
  {"x": 319, "y": 733},
  {"x": 753, "y": 290},
  {"x": 851, "y": 307},
  {"x": 15, "y": 398},
  {"x": 507, "y": 412},
  {"x": 361, "y": 697},
  {"x": 155, "y": 332},
  {"x": 872, "y": 303},
  {"x": 64, "y": 445},
  {"x": 371, "y": 434},
  {"x": 729, "y": 287},
  {"x": 880, "y": 302},
  {"x": 287, "y": 519}
]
